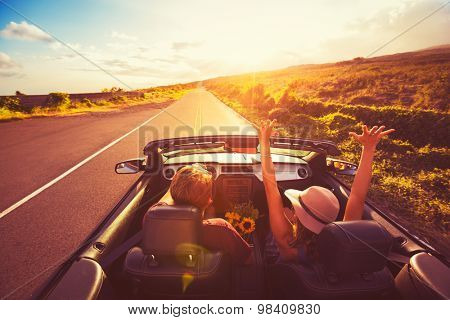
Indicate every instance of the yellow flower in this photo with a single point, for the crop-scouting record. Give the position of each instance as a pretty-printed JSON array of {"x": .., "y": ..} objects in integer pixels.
[
  {"x": 247, "y": 225},
  {"x": 233, "y": 216}
]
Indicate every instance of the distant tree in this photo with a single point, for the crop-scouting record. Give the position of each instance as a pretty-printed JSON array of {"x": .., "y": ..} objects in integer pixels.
[
  {"x": 18, "y": 93},
  {"x": 113, "y": 89},
  {"x": 58, "y": 100},
  {"x": 12, "y": 103}
]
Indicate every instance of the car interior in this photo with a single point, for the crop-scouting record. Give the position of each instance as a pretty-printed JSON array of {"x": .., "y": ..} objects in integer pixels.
[{"x": 369, "y": 259}]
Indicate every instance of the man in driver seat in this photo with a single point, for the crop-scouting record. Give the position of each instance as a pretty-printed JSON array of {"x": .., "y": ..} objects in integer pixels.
[{"x": 192, "y": 185}]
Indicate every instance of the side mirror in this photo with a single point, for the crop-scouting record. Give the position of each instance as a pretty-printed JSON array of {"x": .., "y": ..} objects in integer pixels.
[
  {"x": 130, "y": 166},
  {"x": 341, "y": 167}
]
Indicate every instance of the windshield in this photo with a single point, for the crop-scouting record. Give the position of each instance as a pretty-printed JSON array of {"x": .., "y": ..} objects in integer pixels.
[
  {"x": 225, "y": 149},
  {"x": 184, "y": 152},
  {"x": 290, "y": 152}
]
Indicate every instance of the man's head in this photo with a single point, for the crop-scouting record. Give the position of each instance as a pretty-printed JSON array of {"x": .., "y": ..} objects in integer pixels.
[{"x": 192, "y": 185}]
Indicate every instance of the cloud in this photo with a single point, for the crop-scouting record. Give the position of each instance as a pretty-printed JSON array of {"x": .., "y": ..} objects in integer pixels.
[
  {"x": 25, "y": 31},
  {"x": 120, "y": 45},
  {"x": 154, "y": 69},
  {"x": 123, "y": 67},
  {"x": 62, "y": 57},
  {"x": 185, "y": 45},
  {"x": 6, "y": 62},
  {"x": 367, "y": 35},
  {"x": 8, "y": 67},
  {"x": 58, "y": 45},
  {"x": 143, "y": 49},
  {"x": 10, "y": 74},
  {"x": 122, "y": 36},
  {"x": 118, "y": 63}
]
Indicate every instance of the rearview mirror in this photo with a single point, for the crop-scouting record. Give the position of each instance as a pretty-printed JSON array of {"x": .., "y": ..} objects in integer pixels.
[
  {"x": 341, "y": 167},
  {"x": 130, "y": 166}
]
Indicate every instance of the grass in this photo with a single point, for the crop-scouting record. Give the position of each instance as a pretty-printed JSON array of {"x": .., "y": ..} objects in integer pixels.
[
  {"x": 65, "y": 107},
  {"x": 7, "y": 114},
  {"x": 408, "y": 93}
]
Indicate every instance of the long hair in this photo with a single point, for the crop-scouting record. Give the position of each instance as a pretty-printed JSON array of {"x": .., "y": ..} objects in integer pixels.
[{"x": 309, "y": 240}]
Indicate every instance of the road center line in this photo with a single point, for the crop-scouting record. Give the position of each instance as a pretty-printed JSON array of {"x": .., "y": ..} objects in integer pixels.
[
  {"x": 201, "y": 116},
  {"x": 75, "y": 167},
  {"x": 196, "y": 124}
]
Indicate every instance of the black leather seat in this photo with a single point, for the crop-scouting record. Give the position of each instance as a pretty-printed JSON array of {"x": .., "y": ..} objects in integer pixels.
[
  {"x": 351, "y": 265},
  {"x": 171, "y": 263},
  {"x": 425, "y": 277}
]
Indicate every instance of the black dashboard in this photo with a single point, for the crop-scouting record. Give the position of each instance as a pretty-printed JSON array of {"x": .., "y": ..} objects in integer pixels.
[{"x": 287, "y": 168}]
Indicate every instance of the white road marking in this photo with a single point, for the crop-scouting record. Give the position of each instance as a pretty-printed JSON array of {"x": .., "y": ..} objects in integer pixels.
[
  {"x": 196, "y": 120},
  {"x": 75, "y": 167}
]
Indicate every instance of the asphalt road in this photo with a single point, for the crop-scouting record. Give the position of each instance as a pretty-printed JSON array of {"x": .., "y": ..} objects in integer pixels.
[{"x": 67, "y": 155}]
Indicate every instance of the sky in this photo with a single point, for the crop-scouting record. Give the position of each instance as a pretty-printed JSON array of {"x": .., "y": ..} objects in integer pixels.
[{"x": 145, "y": 43}]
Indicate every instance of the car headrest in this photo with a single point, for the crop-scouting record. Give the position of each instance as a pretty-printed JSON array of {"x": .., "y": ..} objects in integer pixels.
[
  {"x": 354, "y": 247},
  {"x": 171, "y": 230}
]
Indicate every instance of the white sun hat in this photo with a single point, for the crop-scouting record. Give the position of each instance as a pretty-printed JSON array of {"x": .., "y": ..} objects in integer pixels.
[{"x": 315, "y": 207}]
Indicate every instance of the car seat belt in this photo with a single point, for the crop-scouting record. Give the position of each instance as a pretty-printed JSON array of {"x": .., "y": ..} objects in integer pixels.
[{"x": 120, "y": 250}]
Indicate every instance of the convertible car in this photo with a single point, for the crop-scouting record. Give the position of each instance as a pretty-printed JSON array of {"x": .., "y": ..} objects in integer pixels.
[{"x": 145, "y": 252}]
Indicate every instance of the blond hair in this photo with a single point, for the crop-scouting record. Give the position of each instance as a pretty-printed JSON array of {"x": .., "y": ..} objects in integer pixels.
[{"x": 192, "y": 185}]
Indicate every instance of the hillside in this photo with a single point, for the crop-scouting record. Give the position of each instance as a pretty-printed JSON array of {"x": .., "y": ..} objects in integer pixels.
[
  {"x": 406, "y": 91},
  {"x": 417, "y": 79}
]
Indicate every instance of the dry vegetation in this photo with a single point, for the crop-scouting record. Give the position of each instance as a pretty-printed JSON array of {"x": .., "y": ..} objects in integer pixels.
[
  {"x": 59, "y": 103},
  {"x": 408, "y": 92}
]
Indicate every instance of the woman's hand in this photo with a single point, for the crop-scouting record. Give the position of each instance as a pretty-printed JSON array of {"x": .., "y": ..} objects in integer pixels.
[
  {"x": 265, "y": 131},
  {"x": 370, "y": 138}
]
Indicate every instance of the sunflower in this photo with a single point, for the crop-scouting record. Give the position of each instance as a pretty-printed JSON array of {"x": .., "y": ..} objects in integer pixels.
[
  {"x": 233, "y": 218},
  {"x": 247, "y": 225}
]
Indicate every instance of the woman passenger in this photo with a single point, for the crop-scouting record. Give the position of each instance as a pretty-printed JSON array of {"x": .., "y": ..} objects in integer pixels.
[{"x": 294, "y": 231}]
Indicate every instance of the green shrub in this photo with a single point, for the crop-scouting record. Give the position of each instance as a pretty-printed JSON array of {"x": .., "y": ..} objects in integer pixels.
[
  {"x": 101, "y": 103},
  {"x": 338, "y": 125},
  {"x": 436, "y": 180},
  {"x": 88, "y": 103},
  {"x": 287, "y": 101},
  {"x": 58, "y": 100},
  {"x": 338, "y": 120},
  {"x": 315, "y": 108},
  {"x": 302, "y": 125},
  {"x": 13, "y": 104},
  {"x": 118, "y": 99},
  {"x": 409, "y": 124},
  {"x": 281, "y": 114},
  {"x": 7, "y": 114},
  {"x": 256, "y": 97}
]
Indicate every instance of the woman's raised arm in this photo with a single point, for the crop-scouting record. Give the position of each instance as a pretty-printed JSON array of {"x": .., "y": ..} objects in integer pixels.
[
  {"x": 361, "y": 184},
  {"x": 281, "y": 228}
]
